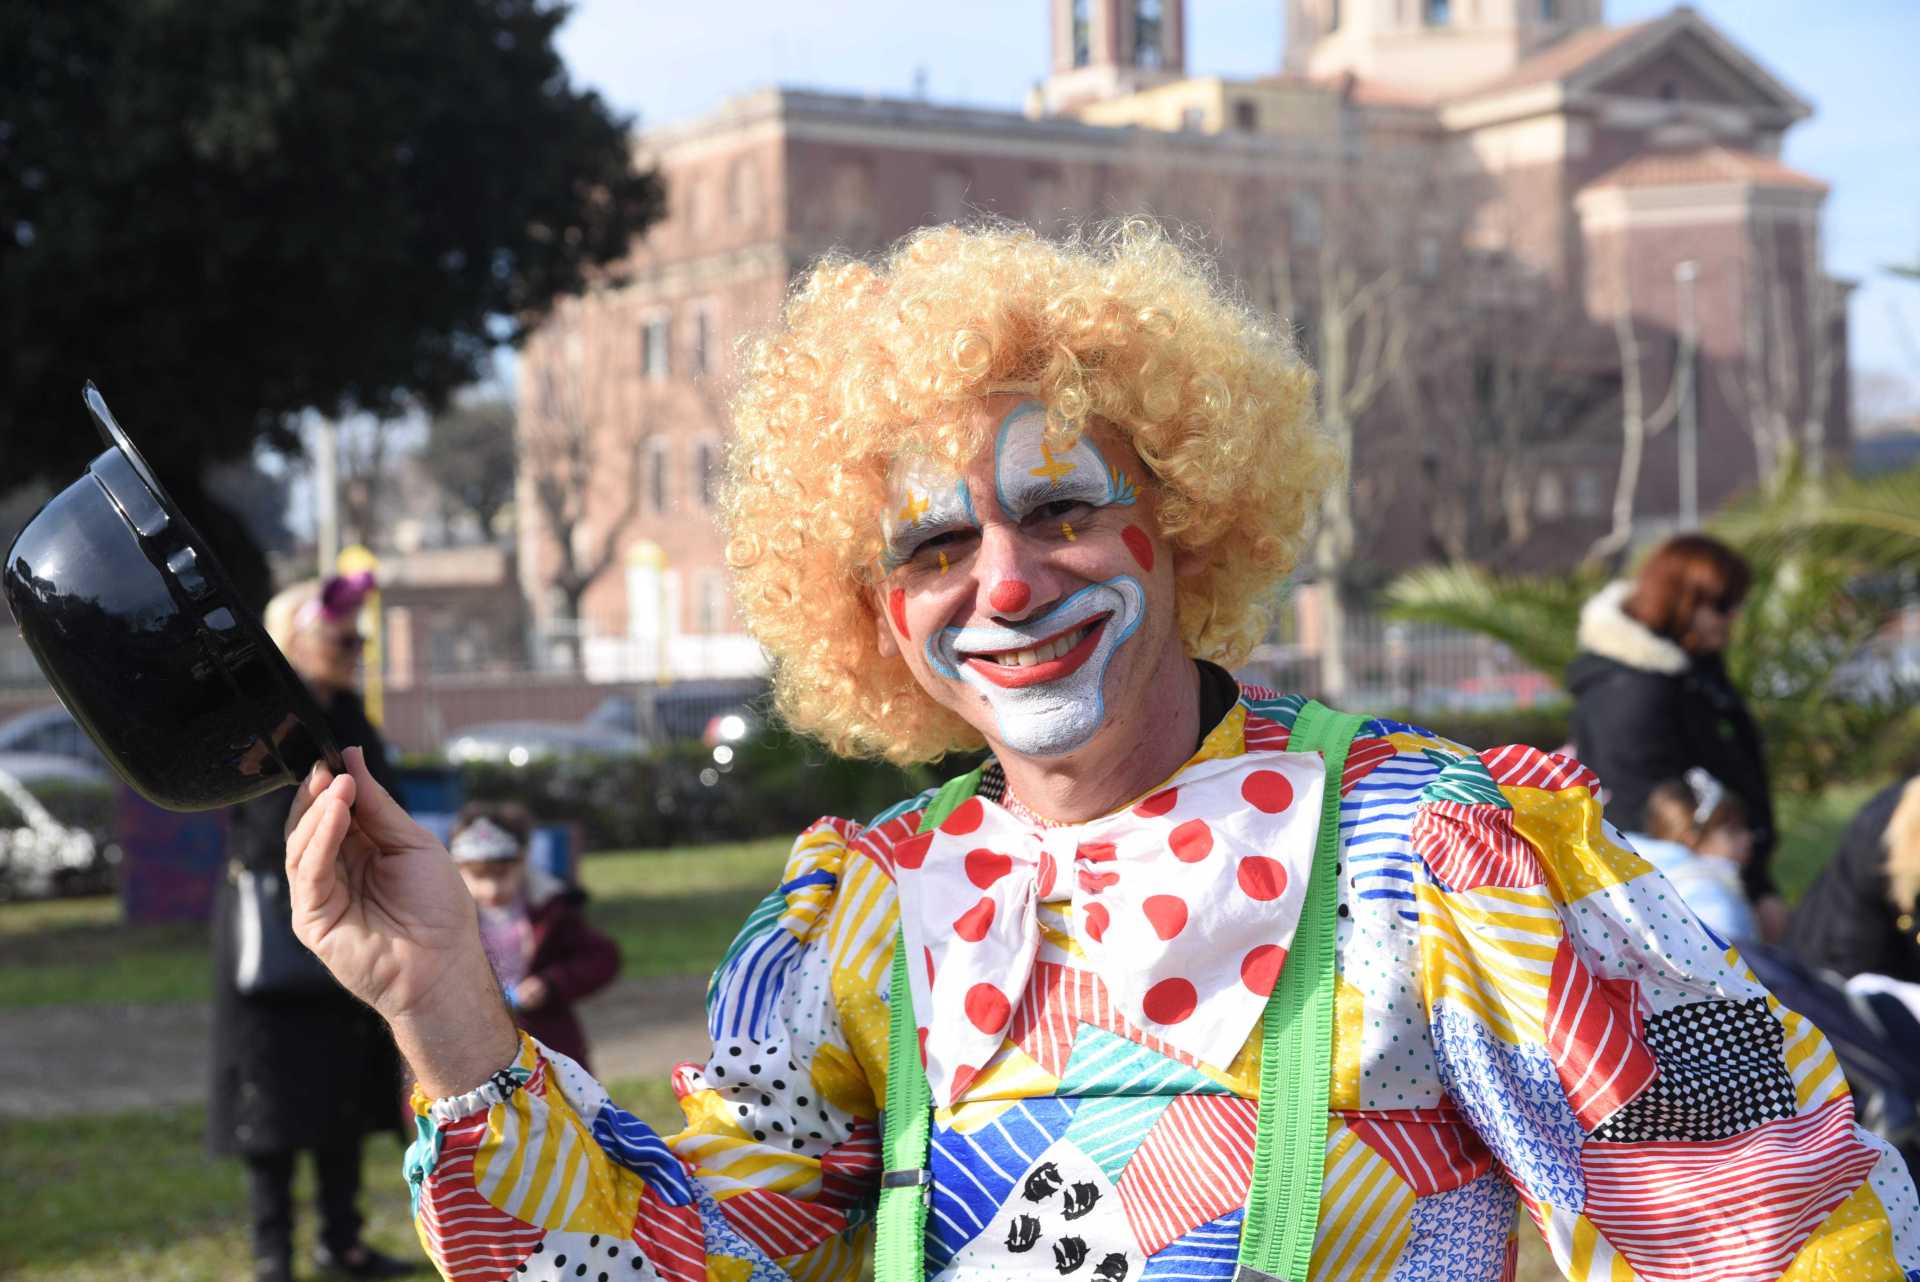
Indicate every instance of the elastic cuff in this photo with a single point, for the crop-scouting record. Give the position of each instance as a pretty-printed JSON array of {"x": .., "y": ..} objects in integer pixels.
[{"x": 495, "y": 1090}]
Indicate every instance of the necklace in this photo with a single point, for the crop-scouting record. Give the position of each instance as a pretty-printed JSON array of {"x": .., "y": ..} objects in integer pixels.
[{"x": 1027, "y": 814}]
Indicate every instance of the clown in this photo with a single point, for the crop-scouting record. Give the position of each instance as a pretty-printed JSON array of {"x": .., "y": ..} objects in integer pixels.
[{"x": 1007, "y": 493}]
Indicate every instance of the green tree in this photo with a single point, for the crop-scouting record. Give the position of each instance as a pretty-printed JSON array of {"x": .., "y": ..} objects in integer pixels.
[{"x": 228, "y": 211}]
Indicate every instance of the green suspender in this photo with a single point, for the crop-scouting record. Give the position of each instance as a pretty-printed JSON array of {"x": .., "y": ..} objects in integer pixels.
[
  {"x": 1283, "y": 1201},
  {"x": 1296, "y": 1050}
]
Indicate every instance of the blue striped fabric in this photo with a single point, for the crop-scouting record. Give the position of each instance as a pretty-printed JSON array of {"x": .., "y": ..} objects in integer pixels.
[
  {"x": 638, "y": 1147},
  {"x": 746, "y": 992},
  {"x": 1376, "y": 820},
  {"x": 1205, "y": 1253},
  {"x": 974, "y": 1173}
]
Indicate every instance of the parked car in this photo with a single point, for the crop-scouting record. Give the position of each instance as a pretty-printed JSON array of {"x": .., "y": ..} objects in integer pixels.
[
  {"x": 683, "y": 710},
  {"x": 39, "y": 855},
  {"x": 517, "y": 743},
  {"x": 51, "y": 732}
]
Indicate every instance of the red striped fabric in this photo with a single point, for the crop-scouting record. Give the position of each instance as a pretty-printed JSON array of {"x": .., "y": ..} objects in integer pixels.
[
  {"x": 672, "y": 1238},
  {"x": 1362, "y": 757},
  {"x": 848, "y": 1169},
  {"x": 1058, "y": 1000},
  {"x": 1733, "y": 1208},
  {"x": 1519, "y": 766},
  {"x": 779, "y": 1224},
  {"x": 1595, "y": 1039},
  {"x": 1262, "y": 734},
  {"x": 877, "y": 843},
  {"x": 1194, "y": 1166},
  {"x": 1468, "y": 846},
  {"x": 473, "y": 1239},
  {"x": 1430, "y": 1155}
]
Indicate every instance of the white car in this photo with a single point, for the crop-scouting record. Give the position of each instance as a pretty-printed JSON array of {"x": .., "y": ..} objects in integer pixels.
[{"x": 41, "y": 856}]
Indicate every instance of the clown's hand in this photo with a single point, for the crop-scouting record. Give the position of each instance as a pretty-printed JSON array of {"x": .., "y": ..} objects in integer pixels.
[{"x": 378, "y": 900}]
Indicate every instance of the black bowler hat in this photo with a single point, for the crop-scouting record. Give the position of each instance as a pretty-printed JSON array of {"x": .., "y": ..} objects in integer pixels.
[{"x": 141, "y": 634}]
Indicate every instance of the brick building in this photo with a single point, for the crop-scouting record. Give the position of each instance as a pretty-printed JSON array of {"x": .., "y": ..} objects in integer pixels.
[{"x": 1591, "y": 189}]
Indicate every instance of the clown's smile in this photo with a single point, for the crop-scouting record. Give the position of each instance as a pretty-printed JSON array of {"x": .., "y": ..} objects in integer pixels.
[{"x": 1049, "y": 661}]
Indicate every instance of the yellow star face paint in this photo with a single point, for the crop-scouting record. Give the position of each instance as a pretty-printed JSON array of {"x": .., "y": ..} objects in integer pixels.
[{"x": 1066, "y": 531}]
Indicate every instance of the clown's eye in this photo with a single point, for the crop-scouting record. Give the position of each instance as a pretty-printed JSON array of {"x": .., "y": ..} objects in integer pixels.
[
  {"x": 1058, "y": 510},
  {"x": 948, "y": 542}
]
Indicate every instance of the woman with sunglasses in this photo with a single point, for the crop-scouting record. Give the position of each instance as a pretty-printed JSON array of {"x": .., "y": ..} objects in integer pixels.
[
  {"x": 302, "y": 1071},
  {"x": 1652, "y": 698}
]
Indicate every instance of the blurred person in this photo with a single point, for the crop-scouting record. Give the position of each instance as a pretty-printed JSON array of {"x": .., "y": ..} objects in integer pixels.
[
  {"x": 544, "y": 953},
  {"x": 310, "y": 1071},
  {"x": 1861, "y": 916},
  {"x": 1178, "y": 941},
  {"x": 1652, "y": 699},
  {"x": 1709, "y": 830}
]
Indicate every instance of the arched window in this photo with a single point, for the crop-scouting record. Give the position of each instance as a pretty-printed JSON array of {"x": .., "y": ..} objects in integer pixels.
[
  {"x": 1149, "y": 33},
  {"x": 1082, "y": 33}
]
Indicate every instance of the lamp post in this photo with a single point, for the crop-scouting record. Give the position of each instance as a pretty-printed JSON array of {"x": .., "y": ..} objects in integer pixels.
[{"x": 1684, "y": 274}]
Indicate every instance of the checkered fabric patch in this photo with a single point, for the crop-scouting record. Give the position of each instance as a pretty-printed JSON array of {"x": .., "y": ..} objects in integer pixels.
[{"x": 1723, "y": 1071}]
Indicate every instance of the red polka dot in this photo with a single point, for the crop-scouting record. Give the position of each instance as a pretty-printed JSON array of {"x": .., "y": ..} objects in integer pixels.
[
  {"x": 1167, "y": 913},
  {"x": 962, "y": 1078},
  {"x": 1096, "y": 852},
  {"x": 1096, "y": 922},
  {"x": 1260, "y": 969},
  {"x": 1158, "y": 804},
  {"x": 1267, "y": 790},
  {"x": 912, "y": 852},
  {"x": 973, "y": 924},
  {"x": 929, "y": 953},
  {"x": 1095, "y": 882},
  {"x": 984, "y": 867},
  {"x": 987, "y": 1007},
  {"x": 923, "y": 1047},
  {"x": 1262, "y": 878},
  {"x": 897, "y": 607},
  {"x": 1191, "y": 842},
  {"x": 1010, "y": 596},
  {"x": 1170, "y": 1001},
  {"x": 1137, "y": 543},
  {"x": 964, "y": 819},
  {"x": 1047, "y": 875}
]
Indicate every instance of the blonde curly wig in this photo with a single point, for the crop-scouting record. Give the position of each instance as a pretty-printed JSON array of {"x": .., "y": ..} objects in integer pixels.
[{"x": 873, "y": 361}]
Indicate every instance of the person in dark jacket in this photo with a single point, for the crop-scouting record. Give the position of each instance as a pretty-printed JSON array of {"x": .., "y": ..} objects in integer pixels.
[
  {"x": 1652, "y": 698},
  {"x": 313, "y": 1072},
  {"x": 1862, "y": 914},
  {"x": 536, "y": 937}
]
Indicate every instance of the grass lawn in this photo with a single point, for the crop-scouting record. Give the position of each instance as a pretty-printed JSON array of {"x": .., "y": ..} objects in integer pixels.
[
  {"x": 674, "y": 912},
  {"x": 106, "y": 1199}
]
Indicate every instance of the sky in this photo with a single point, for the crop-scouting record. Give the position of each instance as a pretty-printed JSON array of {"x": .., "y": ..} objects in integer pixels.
[{"x": 1853, "y": 59}]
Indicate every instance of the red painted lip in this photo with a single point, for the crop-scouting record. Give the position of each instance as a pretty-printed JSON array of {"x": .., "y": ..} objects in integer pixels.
[{"x": 1008, "y": 677}]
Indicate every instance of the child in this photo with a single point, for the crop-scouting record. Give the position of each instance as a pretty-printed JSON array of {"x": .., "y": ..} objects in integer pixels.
[
  {"x": 544, "y": 953},
  {"x": 1710, "y": 827}
]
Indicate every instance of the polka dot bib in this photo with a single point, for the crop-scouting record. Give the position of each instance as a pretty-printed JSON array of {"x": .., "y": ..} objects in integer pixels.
[{"x": 1184, "y": 904}]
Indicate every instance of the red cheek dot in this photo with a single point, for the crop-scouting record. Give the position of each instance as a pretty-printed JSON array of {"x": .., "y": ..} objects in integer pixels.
[
  {"x": 1010, "y": 596},
  {"x": 897, "y": 607},
  {"x": 1260, "y": 969},
  {"x": 1166, "y": 913},
  {"x": 1191, "y": 842},
  {"x": 1158, "y": 804},
  {"x": 973, "y": 924},
  {"x": 987, "y": 1007},
  {"x": 1262, "y": 878},
  {"x": 1170, "y": 1001},
  {"x": 1267, "y": 790},
  {"x": 1137, "y": 543},
  {"x": 964, "y": 819}
]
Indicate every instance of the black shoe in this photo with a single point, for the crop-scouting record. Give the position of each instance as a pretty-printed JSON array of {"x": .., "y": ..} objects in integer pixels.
[{"x": 360, "y": 1262}]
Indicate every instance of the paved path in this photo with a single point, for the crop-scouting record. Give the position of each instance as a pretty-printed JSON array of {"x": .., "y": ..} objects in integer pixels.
[{"x": 62, "y": 1061}]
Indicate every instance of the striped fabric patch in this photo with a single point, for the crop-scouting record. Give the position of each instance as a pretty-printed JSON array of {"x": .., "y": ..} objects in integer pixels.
[
  {"x": 539, "y": 1164},
  {"x": 1206, "y": 1253},
  {"x": 672, "y": 1238},
  {"x": 779, "y": 1224},
  {"x": 1058, "y": 1001},
  {"x": 1109, "y": 1130},
  {"x": 1464, "y": 779},
  {"x": 974, "y": 1173},
  {"x": 1365, "y": 1212},
  {"x": 1520, "y": 766},
  {"x": 1733, "y": 1208},
  {"x": 468, "y": 1235},
  {"x": 1194, "y": 1166},
  {"x": 1431, "y": 1150},
  {"x": 1595, "y": 1037},
  {"x": 1490, "y": 952},
  {"x": 1469, "y": 846}
]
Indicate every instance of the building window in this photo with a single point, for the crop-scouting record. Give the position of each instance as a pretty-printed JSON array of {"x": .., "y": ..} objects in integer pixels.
[
  {"x": 1149, "y": 33},
  {"x": 1549, "y": 10},
  {"x": 702, "y": 334},
  {"x": 694, "y": 204},
  {"x": 1246, "y": 116},
  {"x": 656, "y": 347},
  {"x": 1043, "y": 196},
  {"x": 1193, "y": 118},
  {"x": 1306, "y": 218},
  {"x": 1082, "y": 33},
  {"x": 706, "y": 471},
  {"x": 710, "y": 608},
  {"x": 744, "y": 190},
  {"x": 1669, "y": 91},
  {"x": 1589, "y": 493},
  {"x": 1550, "y": 497},
  {"x": 1333, "y": 15},
  {"x": 660, "y": 492},
  {"x": 1439, "y": 12},
  {"x": 950, "y": 185}
]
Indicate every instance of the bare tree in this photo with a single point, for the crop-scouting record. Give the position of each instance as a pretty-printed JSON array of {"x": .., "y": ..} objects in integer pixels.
[
  {"x": 1637, "y": 424},
  {"x": 470, "y": 456},
  {"x": 581, "y": 449}
]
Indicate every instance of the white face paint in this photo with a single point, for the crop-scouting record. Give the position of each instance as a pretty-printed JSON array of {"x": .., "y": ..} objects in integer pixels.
[
  {"x": 1045, "y": 677},
  {"x": 1027, "y": 472},
  {"x": 924, "y": 501}
]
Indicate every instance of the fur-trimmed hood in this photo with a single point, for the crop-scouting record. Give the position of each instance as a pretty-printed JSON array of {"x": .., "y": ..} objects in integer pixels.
[{"x": 1607, "y": 630}]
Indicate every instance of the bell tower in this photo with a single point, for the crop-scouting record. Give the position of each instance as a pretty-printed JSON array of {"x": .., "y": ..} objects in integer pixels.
[
  {"x": 1110, "y": 48},
  {"x": 1429, "y": 46}
]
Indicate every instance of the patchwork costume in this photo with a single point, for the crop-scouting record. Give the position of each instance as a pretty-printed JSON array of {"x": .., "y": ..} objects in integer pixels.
[{"x": 1525, "y": 1013}]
